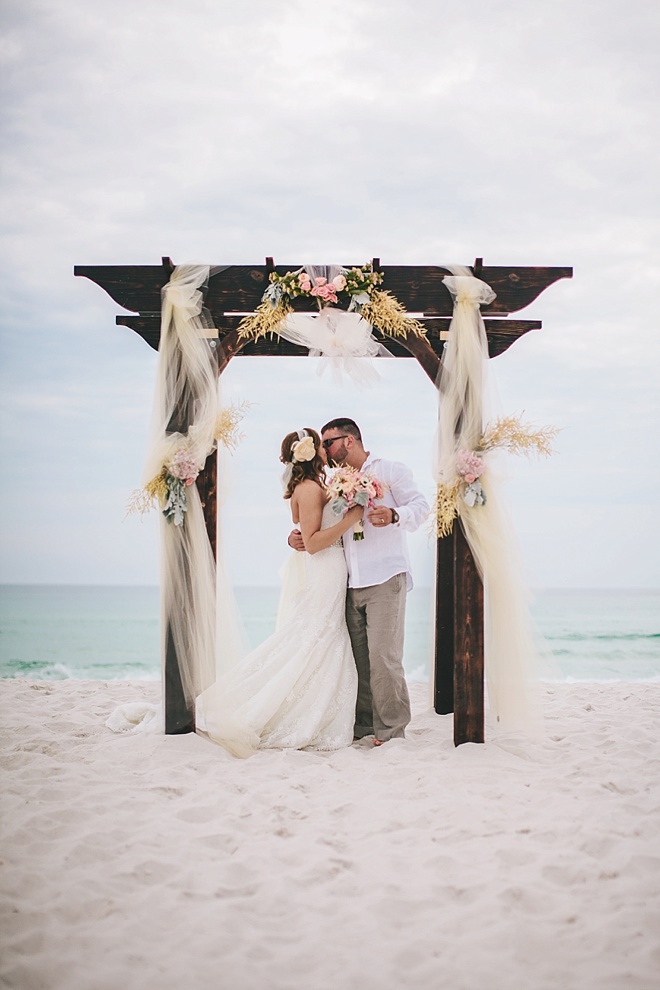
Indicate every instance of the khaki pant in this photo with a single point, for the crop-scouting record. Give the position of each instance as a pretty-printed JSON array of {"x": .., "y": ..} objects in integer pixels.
[{"x": 375, "y": 618}]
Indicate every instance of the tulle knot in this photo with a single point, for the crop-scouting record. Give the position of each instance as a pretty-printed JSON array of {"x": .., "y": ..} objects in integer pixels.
[
  {"x": 187, "y": 299},
  {"x": 468, "y": 290},
  {"x": 339, "y": 334}
]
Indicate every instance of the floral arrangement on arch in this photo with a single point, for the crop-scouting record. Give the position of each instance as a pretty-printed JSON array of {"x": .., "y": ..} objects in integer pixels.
[
  {"x": 358, "y": 287},
  {"x": 508, "y": 433},
  {"x": 182, "y": 467}
]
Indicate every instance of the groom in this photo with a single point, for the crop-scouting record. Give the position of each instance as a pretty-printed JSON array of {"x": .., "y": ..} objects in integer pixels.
[{"x": 378, "y": 580}]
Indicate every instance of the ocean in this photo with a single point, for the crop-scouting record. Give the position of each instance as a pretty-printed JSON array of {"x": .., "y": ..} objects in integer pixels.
[{"x": 52, "y": 632}]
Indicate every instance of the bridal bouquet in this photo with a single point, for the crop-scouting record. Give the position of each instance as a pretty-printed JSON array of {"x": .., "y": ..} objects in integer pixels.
[{"x": 350, "y": 487}]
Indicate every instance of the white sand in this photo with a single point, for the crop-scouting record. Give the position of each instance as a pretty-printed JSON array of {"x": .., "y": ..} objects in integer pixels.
[{"x": 155, "y": 863}]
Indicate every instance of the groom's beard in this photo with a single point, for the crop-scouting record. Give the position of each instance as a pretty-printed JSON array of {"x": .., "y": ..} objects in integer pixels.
[{"x": 340, "y": 459}]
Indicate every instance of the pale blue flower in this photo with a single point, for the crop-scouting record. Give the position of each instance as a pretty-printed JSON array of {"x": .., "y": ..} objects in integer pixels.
[
  {"x": 273, "y": 293},
  {"x": 474, "y": 494},
  {"x": 359, "y": 300}
]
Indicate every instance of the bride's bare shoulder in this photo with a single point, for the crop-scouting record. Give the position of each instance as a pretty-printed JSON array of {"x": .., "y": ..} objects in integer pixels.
[
  {"x": 308, "y": 497},
  {"x": 310, "y": 491}
]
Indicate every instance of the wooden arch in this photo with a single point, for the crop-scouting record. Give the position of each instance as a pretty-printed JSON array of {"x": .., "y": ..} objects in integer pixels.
[{"x": 237, "y": 289}]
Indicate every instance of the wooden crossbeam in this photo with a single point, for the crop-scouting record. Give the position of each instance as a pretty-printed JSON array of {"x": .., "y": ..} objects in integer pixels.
[
  {"x": 239, "y": 288},
  {"x": 501, "y": 333}
]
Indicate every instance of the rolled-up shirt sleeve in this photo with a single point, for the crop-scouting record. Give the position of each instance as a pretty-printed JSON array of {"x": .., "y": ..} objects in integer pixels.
[
  {"x": 409, "y": 501},
  {"x": 383, "y": 552}
]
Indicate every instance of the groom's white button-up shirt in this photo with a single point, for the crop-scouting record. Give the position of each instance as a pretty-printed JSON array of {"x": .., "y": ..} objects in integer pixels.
[{"x": 384, "y": 552}]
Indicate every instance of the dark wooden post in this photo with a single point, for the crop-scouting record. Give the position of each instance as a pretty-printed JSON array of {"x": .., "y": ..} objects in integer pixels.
[
  {"x": 207, "y": 486},
  {"x": 179, "y": 718},
  {"x": 443, "y": 691},
  {"x": 468, "y": 593},
  {"x": 459, "y": 657},
  {"x": 179, "y": 715},
  {"x": 459, "y": 638}
]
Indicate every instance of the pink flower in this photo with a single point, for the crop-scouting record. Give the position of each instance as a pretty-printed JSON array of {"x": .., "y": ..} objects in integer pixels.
[
  {"x": 321, "y": 281},
  {"x": 347, "y": 483},
  {"x": 339, "y": 282},
  {"x": 182, "y": 466},
  {"x": 469, "y": 466},
  {"x": 306, "y": 285},
  {"x": 325, "y": 292}
]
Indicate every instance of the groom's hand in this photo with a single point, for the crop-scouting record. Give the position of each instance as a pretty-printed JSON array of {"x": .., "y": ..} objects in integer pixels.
[
  {"x": 295, "y": 540},
  {"x": 382, "y": 515}
]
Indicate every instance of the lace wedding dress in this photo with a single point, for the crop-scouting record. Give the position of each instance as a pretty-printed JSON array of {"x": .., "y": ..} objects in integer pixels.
[{"x": 296, "y": 690}]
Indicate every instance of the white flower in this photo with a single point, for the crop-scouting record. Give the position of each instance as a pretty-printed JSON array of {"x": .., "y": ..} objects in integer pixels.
[{"x": 303, "y": 450}]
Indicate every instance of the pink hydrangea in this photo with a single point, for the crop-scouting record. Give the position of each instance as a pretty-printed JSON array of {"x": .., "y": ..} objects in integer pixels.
[
  {"x": 181, "y": 465},
  {"x": 469, "y": 466}
]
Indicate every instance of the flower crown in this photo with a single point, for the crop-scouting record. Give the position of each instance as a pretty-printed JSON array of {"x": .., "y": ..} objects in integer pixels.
[{"x": 358, "y": 286}]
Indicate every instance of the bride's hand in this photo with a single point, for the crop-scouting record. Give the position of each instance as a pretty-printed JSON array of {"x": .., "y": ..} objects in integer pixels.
[{"x": 355, "y": 513}]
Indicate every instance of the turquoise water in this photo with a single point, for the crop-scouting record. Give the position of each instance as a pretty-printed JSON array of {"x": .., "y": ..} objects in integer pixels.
[
  {"x": 602, "y": 635},
  {"x": 106, "y": 633}
]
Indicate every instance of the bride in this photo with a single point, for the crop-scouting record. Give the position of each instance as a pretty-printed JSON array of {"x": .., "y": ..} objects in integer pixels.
[{"x": 297, "y": 690}]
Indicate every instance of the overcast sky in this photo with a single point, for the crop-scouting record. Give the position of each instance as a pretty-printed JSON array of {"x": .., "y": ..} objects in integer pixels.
[{"x": 425, "y": 132}]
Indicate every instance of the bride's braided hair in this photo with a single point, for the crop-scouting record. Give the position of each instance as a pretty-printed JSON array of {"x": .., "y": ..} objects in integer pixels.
[{"x": 313, "y": 469}]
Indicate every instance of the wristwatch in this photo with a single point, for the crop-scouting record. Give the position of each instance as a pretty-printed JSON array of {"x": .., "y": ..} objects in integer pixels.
[{"x": 395, "y": 517}]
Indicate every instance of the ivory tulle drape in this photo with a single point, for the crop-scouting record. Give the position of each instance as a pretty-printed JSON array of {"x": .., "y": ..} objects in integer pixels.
[
  {"x": 464, "y": 400},
  {"x": 186, "y": 409}
]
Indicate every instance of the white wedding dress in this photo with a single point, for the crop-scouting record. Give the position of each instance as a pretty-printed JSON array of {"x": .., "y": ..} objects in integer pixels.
[{"x": 296, "y": 690}]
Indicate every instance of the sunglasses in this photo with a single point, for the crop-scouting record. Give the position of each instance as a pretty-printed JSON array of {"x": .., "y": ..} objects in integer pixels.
[{"x": 329, "y": 442}]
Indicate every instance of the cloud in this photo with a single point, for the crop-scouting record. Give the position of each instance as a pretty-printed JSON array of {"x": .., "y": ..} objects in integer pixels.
[{"x": 225, "y": 132}]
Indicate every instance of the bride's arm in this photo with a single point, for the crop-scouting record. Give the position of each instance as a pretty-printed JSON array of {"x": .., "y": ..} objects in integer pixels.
[{"x": 310, "y": 501}]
